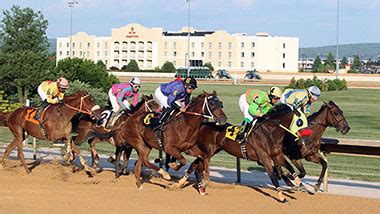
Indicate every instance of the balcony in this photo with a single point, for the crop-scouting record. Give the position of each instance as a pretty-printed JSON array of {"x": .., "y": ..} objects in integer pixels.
[{"x": 124, "y": 46}]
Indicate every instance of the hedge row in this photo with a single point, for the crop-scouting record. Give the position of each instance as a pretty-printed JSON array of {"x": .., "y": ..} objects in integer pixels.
[{"x": 324, "y": 85}]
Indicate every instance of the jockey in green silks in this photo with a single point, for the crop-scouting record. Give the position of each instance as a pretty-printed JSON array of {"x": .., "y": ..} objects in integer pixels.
[{"x": 254, "y": 104}]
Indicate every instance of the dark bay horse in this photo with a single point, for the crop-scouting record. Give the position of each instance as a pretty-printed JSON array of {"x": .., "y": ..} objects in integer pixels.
[
  {"x": 180, "y": 132},
  {"x": 264, "y": 145},
  {"x": 329, "y": 115},
  {"x": 87, "y": 129},
  {"x": 56, "y": 120}
]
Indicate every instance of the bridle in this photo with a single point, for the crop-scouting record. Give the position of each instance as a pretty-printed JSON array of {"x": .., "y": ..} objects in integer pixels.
[
  {"x": 83, "y": 103},
  {"x": 209, "y": 114},
  {"x": 327, "y": 124},
  {"x": 147, "y": 108}
]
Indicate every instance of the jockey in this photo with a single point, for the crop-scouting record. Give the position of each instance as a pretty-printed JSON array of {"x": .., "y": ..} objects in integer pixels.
[
  {"x": 254, "y": 104},
  {"x": 171, "y": 95},
  {"x": 118, "y": 95},
  {"x": 301, "y": 98},
  {"x": 51, "y": 93}
]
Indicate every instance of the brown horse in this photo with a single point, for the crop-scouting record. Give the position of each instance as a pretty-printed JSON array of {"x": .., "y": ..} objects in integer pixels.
[
  {"x": 264, "y": 145},
  {"x": 329, "y": 115},
  {"x": 87, "y": 129},
  {"x": 180, "y": 132},
  {"x": 56, "y": 120},
  {"x": 3, "y": 118}
]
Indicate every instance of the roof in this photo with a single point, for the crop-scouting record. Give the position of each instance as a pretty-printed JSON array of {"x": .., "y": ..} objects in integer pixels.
[{"x": 195, "y": 33}]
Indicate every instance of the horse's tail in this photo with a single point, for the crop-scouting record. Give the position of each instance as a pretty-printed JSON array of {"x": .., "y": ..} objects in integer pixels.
[
  {"x": 3, "y": 118},
  {"x": 101, "y": 134}
]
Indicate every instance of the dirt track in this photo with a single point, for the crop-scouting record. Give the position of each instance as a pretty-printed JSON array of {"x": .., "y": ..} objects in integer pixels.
[{"x": 54, "y": 188}]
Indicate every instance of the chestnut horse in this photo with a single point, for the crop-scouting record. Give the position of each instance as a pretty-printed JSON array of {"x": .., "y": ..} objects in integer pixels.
[
  {"x": 180, "y": 132},
  {"x": 329, "y": 115},
  {"x": 264, "y": 145},
  {"x": 56, "y": 121},
  {"x": 3, "y": 118},
  {"x": 87, "y": 129}
]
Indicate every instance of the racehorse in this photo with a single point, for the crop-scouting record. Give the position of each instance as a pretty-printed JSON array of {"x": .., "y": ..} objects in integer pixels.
[
  {"x": 329, "y": 115},
  {"x": 87, "y": 129},
  {"x": 3, "y": 118},
  {"x": 180, "y": 132},
  {"x": 56, "y": 124},
  {"x": 264, "y": 145}
]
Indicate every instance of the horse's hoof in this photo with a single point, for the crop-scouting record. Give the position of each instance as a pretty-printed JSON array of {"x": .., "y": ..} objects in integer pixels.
[
  {"x": 140, "y": 187},
  {"x": 316, "y": 188},
  {"x": 182, "y": 182},
  {"x": 284, "y": 201},
  {"x": 204, "y": 183},
  {"x": 164, "y": 174},
  {"x": 202, "y": 191},
  {"x": 125, "y": 173},
  {"x": 98, "y": 170}
]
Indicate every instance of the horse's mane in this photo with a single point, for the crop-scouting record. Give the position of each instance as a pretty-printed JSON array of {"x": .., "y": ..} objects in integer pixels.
[
  {"x": 323, "y": 107},
  {"x": 75, "y": 95},
  {"x": 200, "y": 97}
]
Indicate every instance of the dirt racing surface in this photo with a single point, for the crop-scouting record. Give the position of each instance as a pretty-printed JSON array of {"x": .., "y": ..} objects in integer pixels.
[{"x": 52, "y": 187}]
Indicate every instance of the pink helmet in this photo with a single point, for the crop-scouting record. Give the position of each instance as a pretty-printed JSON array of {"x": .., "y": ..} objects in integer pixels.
[{"x": 63, "y": 82}]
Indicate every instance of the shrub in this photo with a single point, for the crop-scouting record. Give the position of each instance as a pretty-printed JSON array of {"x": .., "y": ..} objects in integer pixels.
[
  {"x": 324, "y": 85},
  {"x": 168, "y": 67},
  {"x": 100, "y": 97}
]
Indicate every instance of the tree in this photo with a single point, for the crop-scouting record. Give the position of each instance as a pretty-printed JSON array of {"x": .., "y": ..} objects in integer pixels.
[
  {"x": 330, "y": 61},
  {"x": 168, "y": 67},
  {"x": 24, "y": 59},
  {"x": 132, "y": 66},
  {"x": 344, "y": 61},
  {"x": 209, "y": 65},
  {"x": 317, "y": 67},
  {"x": 85, "y": 71},
  {"x": 357, "y": 63}
]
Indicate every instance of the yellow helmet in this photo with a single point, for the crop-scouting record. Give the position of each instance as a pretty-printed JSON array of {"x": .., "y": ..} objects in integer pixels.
[{"x": 275, "y": 92}]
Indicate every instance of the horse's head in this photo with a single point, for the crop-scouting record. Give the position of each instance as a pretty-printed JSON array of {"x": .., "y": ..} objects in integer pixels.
[
  {"x": 212, "y": 107},
  {"x": 82, "y": 102},
  {"x": 335, "y": 117},
  {"x": 150, "y": 103}
]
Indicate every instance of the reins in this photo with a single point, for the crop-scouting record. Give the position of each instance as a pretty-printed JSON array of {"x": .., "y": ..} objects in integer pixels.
[{"x": 82, "y": 103}]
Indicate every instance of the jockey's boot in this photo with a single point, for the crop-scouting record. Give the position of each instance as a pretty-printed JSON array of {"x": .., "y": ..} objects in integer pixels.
[
  {"x": 164, "y": 115},
  {"x": 41, "y": 108},
  {"x": 110, "y": 121},
  {"x": 242, "y": 136}
]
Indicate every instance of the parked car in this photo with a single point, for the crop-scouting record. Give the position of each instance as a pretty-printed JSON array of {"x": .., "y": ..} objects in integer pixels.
[
  {"x": 222, "y": 74},
  {"x": 252, "y": 74}
]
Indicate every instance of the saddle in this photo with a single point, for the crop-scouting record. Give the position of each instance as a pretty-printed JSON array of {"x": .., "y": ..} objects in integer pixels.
[{"x": 30, "y": 117}]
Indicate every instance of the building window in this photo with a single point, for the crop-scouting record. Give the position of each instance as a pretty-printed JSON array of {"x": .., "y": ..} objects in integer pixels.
[
  {"x": 209, "y": 55},
  {"x": 67, "y": 53},
  {"x": 252, "y": 44},
  {"x": 98, "y": 45},
  {"x": 229, "y": 45},
  {"x": 252, "y": 64},
  {"x": 60, "y": 53},
  {"x": 98, "y": 53},
  {"x": 242, "y": 64},
  {"x": 106, "y": 62},
  {"x": 192, "y": 54},
  {"x": 60, "y": 44},
  {"x": 210, "y": 45},
  {"x": 174, "y": 53},
  {"x": 165, "y": 53},
  {"x": 73, "y": 53},
  {"x": 88, "y": 53},
  {"x": 220, "y": 45},
  {"x": 252, "y": 54},
  {"x": 219, "y": 55},
  {"x": 192, "y": 45},
  {"x": 106, "y": 45},
  {"x": 202, "y": 45},
  {"x": 174, "y": 45},
  {"x": 219, "y": 64},
  {"x": 174, "y": 63},
  {"x": 166, "y": 45},
  {"x": 80, "y": 45},
  {"x": 283, "y": 55},
  {"x": 283, "y": 45},
  {"x": 80, "y": 53},
  {"x": 229, "y": 55},
  {"x": 202, "y": 54},
  {"x": 88, "y": 45},
  {"x": 68, "y": 45},
  {"x": 105, "y": 53},
  {"x": 242, "y": 45},
  {"x": 229, "y": 64},
  {"x": 283, "y": 65},
  {"x": 242, "y": 54},
  {"x": 73, "y": 44}
]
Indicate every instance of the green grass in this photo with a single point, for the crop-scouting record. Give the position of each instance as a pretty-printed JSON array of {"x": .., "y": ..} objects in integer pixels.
[{"x": 359, "y": 107}]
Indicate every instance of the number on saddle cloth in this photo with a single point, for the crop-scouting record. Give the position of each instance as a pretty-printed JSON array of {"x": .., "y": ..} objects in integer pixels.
[
  {"x": 232, "y": 132},
  {"x": 102, "y": 121},
  {"x": 151, "y": 120}
]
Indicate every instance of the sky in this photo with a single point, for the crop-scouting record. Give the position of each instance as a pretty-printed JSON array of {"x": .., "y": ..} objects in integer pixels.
[{"x": 313, "y": 21}]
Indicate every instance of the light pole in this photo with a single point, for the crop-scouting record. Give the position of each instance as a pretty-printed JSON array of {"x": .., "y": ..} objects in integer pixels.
[
  {"x": 71, "y": 4},
  {"x": 337, "y": 41},
  {"x": 188, "y": 39}
]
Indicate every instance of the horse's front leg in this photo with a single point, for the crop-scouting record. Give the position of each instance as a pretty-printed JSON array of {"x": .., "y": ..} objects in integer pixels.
[
  {"x": 321, "y": 159},
  {"x": 88, "y": 170},
  {"x": 176, "y": 154},
  {"x": 94, "y": 154}
]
